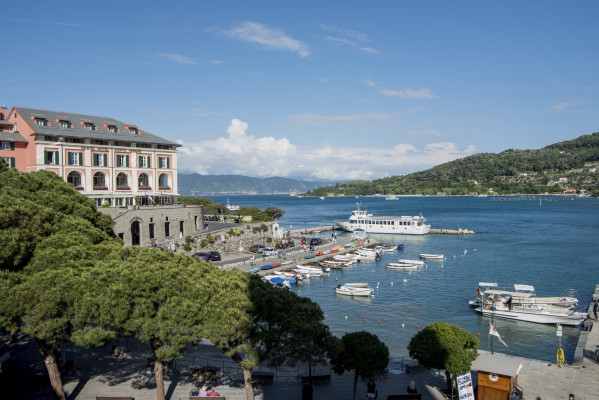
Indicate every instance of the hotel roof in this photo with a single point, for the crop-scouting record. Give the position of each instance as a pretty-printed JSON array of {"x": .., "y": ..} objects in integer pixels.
[{"x": 79, "y": 130}]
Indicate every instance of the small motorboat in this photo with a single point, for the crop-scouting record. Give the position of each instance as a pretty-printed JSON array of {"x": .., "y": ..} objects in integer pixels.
[
  {"x": 432, "y": 256},
  {"x": 265, "y": 267},
  {"x": 353, "y": 291},
  {"x": 415, "y": 262},
  {"x": 402, "y": 266}
]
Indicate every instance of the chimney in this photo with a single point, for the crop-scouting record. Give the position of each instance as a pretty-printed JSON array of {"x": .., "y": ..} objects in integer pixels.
[{"x": 3, "y": 112}]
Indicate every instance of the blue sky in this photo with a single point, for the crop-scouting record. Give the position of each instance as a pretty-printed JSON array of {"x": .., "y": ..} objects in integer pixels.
[{"x": 314, "y": 89}]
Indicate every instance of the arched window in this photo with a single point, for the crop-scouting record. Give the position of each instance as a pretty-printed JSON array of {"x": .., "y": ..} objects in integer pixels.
[
  {"x": 122, "y": 181},
  {"x": 99, "y": 181},
  {"x": 163, "y": 181},
  {"x": 143, "y": 182},
  {"x": 74, "y": 178}
]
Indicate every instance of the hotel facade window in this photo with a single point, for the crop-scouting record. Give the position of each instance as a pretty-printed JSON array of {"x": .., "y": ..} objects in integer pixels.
[
  {"x": 7, "y": 146},
  {"x": 144, "y": 162},
  {"x": 41, "y": 122},
  {"x": 99, "y": 181},
  {"x": 74, "y": 178},
  {"x": 163, "y": 182},
  {"x": 65, "y": 124},
  {"x": 164, "y": 162},
  {"x": 143, "y": 182},
  {"x": 122, "y": 181},
  {"x": 51, "y": 157},
  {"x": 100, "y": 160},
  {"x": 122, "y": 160},
  {"x": 10, "y": 161},
  {"x": 75, "y": 158}
]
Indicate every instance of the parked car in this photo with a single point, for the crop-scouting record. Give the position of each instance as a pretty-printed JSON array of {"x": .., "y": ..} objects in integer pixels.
[
  {"x": 202, "y": 256},
  {"x": 285, "y": 245},
  {"x": 214, "y": 256},
  {"x": 315, "y": 241},
  {"x": 256, "y": 248},
  {"x": 270, "y": 251}
]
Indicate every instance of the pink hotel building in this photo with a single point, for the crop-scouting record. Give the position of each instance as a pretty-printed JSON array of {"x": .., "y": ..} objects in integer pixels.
[{"x": 107, "y": 160}]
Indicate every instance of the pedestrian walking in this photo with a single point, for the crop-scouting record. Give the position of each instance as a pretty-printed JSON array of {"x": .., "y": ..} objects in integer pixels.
[
  {"x": 595, "y": 309},
  {"x": 371, "y": 392}
]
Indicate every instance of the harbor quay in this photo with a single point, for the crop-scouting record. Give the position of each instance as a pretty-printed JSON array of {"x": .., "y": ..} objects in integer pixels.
[{"x": 124, "y": 368}]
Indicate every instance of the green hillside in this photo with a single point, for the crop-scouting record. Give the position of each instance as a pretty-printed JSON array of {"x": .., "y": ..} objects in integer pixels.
[{"x": 509, "y": 172}]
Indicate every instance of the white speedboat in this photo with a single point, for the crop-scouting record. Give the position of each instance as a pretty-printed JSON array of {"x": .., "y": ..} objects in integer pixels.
[
  {"x": 415, "y": 262},
  {"x": 368, "y": 254},
  {"x": 402, "y": 266},
  {"x": 432, "y": 256},
  {"x": 540, "y": 314},
  {"x": 353, "y": 291},
  {"x": 232, "y": 207},
  {"x": 307, "y": 269},
  {"x": 400, "y": 225},
  {"x": 522, "y": 295},
  {"x": 391, "y": 197},
  {"x": 356, "y": 284}
]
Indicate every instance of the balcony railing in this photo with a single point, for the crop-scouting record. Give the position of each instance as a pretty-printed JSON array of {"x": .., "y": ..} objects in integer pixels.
[
  {"x": 145, "y": 188},
  {"x": 100, "y": 188},
  {"x": 164, "y": 188},
  {"x": 123, "y": 188}
]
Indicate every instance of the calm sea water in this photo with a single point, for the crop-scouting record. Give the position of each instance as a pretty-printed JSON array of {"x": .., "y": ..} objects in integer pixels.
[{"x": 549, "y": 243}]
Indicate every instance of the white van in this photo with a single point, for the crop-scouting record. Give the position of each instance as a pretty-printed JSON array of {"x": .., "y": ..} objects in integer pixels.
[{"x": 270, "y": 251}]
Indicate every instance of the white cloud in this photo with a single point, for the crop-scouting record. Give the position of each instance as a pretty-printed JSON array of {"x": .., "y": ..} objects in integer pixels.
[
  {"x": 350, "y": 38},
  {"x": 271, "y": 38},
  {"x": 423, "y": 93},
  {"x": 178, "y": 58},
  {"x": 218, "y": 62},
  {"x": 566, "y": 105},
  {"x": 240, "y": 153}
]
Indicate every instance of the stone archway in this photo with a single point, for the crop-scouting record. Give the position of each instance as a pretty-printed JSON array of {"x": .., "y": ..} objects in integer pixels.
[{"x": 135, "y": 233}]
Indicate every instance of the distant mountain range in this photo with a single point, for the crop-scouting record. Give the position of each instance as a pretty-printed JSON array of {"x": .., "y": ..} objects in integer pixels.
[{"x": 202, "y": 185}]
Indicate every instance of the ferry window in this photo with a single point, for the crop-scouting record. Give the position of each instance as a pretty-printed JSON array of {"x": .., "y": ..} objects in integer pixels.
[{"x": 392, "y": 222}]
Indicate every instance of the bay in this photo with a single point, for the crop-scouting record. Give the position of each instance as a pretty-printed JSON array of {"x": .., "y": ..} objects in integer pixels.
[{"x": 548, "y": 242}]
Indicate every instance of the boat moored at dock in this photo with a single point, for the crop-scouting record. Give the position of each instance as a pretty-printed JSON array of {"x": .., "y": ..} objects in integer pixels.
[{"x": 399, "y": 225}]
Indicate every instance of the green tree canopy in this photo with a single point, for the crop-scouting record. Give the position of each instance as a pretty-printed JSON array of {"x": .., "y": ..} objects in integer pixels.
[
  {"x": 363, "y": 353},
  {"x": 444, "y": 346},
  {"x": 211, "y": 207},
  {"x": 267, "y": 324},
  {"x": 257, "y": 214},
  {"x": 274, "y": 212}
]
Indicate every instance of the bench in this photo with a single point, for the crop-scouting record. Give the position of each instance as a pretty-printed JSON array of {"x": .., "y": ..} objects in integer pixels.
[
  {"x": 316, "y": 379},
  {"x": 114, "y": 397},
  {"x": 205, "y": 373},
  {"x": 207, "y": 397},
  {"x": 409, "y": 396},
  {"x": 263, "y": 377}
]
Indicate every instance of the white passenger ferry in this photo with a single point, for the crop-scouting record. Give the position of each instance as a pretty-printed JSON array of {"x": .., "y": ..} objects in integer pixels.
[{"x": 403, "y": 225}]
